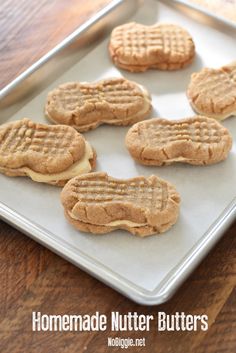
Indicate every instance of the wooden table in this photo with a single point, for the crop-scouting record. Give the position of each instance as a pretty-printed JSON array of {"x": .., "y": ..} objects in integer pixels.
[{"x": 34, "y": 279}]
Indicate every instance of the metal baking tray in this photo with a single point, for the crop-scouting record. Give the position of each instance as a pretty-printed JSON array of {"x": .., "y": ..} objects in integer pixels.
[
  {"x": 195, "y": 9},
  {"x": 147, "y": 270}
]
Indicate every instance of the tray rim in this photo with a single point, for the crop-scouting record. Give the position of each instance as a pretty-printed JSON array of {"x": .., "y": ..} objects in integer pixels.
[
  {"x": 110, "y": 7},
  {"x": 170, "y": 284},
  {"x": 200, "y": 9},
  {"x": 164, "y": 291}
]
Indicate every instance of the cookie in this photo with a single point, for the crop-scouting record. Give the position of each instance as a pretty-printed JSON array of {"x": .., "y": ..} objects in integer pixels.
[
  {"x": 45, "y": 153},
  {"x": 212, "y": 92},
  {"x": 84, "y": 106},
  {"x": 198, "y": 140},
  {"x": 136, "y": 47},
  {"x": 98, "y": 203}
]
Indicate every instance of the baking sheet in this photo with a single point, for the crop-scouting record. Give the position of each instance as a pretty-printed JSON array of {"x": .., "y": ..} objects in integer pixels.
[{"x": 139, "y": 268}]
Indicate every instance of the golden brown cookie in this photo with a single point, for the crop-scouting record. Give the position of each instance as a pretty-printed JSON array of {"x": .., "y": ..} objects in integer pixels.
[
  {"x": 45, "y": 153},
  {"x": 136, "y": 47},
  {"x": 198, "y": 140},
  {"x": 98, "y": 203},
  {"x": 212, "y": 92},
  {"x": 84, "y": 106}
]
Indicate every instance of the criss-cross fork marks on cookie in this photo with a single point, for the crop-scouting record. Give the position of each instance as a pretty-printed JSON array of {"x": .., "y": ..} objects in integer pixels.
[
  {"x": 84, "y": 106},
  {"x": 118, "y": 93},
  {"x": 155, "y": 38},
  {"x": 165, "y": 132},
  {"x": 141, "y": 192},
  {"x": 24, "y": 137},
  {"x": 213, "y": 91},
  {"x": 99, "y": 203},
  {"x": 137, "y": 47},
  {"x": 46, "y": 149},
  {"x": 198, "y": 140}
]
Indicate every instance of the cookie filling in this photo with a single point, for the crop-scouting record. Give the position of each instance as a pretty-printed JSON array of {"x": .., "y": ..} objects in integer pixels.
[
  {"x": 113, "y": 223},
  {"x": 80, "y": 167},
  {"x": 125, "y": 223}
]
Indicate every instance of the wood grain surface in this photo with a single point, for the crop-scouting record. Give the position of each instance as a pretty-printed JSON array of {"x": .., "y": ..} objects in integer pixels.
[{"x": 34, "y": 279}]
